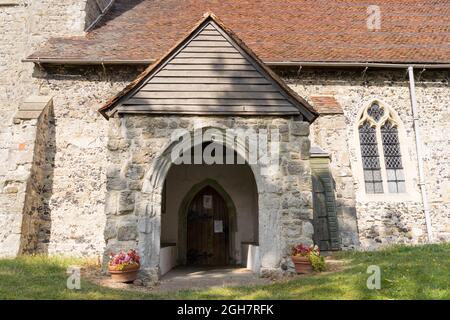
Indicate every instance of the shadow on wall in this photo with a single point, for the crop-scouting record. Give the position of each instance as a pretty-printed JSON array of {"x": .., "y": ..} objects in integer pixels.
[
  {"x": 347, "y": 224},
  {"x": 393, "y": 227},
  {"x": 36, "y": 221},
  {"x": 94, "y": 8}
]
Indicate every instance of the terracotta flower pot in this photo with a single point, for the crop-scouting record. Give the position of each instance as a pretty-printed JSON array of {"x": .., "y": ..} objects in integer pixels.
[
  {"x": 302, "y": 264},
  {"x": 127, "y": 274}
]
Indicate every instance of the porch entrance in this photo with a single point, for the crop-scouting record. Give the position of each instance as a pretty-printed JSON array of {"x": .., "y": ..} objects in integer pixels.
[
  {"x": 208, "y": 229},
  {"x": 209, "y": 217}
]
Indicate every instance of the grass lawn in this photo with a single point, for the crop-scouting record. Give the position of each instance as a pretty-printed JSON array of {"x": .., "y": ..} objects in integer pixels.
[{"x": 421, "y": 272}]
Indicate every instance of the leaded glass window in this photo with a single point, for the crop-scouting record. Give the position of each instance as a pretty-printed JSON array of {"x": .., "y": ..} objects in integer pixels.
[
  {"x": 370, "y": 158},
  {"x": 376, "y": 112},
  {"x": 378, "y": 137},
  {"x": 392, "y": 158}
]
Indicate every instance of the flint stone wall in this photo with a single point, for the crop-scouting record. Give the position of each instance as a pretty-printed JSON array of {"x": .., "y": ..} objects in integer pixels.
[
  {"x": 75, "y": 194},
  {"x": 77, "y": 200},
  {"x": 387, "y": 218},
  {"x": 24, "y": 26}
]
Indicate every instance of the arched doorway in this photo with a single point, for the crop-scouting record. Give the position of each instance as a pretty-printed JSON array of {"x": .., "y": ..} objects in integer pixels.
[
  {"x": 235, "y": 188},
  {"x": 255, "y": 231},
  {"x": 207, "y": 229}
]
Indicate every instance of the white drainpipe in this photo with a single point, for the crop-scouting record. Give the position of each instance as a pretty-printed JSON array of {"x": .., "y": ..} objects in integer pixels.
[{"x": 426, "y": 206}]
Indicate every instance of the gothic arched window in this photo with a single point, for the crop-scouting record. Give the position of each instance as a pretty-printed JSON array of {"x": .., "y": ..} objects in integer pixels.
[{"x": 380, "y": 150}]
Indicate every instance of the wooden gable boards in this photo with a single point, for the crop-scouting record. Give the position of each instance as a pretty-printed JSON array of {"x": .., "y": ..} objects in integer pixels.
[{"x": 210, "y": 72}]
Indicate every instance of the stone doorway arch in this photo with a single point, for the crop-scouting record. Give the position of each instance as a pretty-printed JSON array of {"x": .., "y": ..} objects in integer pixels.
[
  {"x": 149, "y": 199},
  {"x": 140, "y": 150}
]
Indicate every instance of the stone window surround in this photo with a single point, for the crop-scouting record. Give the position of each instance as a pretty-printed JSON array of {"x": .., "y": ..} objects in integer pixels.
[{"x": 408, "y": 167}]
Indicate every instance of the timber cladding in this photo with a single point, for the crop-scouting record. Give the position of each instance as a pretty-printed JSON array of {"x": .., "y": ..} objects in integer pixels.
[{"x": 209, "y": 72}]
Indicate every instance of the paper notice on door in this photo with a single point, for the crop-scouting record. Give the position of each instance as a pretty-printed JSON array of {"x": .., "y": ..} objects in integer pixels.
[
  {"x": 218, "y": 226},
  {"x": 207, "y": 201}
]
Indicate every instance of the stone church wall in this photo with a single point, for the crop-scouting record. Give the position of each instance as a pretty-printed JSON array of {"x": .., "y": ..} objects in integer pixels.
[
  {"x": 24, "y": 25},
  {"x": 77, "y": 200},
  {"x": 389, "y": 218},
  {"x": 76, "y": 204},
  {"x": 79, "y": 182},
  {"x": 78, "y": 192},
  {"x": 327, "y": 132}
]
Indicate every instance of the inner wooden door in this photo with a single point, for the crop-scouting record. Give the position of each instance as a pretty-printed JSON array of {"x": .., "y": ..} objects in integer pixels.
[{"x": 207, "y": 229}]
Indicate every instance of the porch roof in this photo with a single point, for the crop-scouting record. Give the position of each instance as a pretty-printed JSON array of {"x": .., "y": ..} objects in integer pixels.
[{"x": 209, "y": 72}]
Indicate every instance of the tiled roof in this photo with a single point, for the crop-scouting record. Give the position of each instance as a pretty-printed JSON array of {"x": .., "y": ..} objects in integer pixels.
[
  {"x": 412, "y": 31},
  {"x": 326, "y": 104}
]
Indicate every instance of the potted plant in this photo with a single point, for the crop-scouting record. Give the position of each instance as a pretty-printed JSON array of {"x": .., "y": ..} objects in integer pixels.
[
  {"x": 306, "y": 259},
  {"x": 124, "y": 267}
]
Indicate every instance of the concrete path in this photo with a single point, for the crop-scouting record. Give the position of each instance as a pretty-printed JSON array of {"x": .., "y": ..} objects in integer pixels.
[
  {"x": 185, "y": 278},
  {"x": 188, "y": 278}
]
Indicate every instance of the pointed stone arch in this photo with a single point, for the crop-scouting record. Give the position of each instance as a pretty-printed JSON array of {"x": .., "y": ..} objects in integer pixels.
[
  {"x": 389, "y": 114},
  {"x": 156, "y": 174},
  {"x": 182, "y": 215},
  {"x": 149, "y": 199},
  {"x": 141, "y": 147}
]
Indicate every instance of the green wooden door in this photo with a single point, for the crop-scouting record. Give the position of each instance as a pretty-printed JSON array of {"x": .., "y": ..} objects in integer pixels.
[{"x": 326, "y": 233}]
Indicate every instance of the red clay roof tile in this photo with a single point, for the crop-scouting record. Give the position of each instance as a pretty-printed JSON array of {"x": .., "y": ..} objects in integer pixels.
[
  {"x": 326, "y": 104},
  {"x": 412, "y": 31}
]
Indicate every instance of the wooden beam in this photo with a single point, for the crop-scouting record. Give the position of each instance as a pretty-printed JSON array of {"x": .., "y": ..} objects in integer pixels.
[
  {"x": 257, "y": 95},
  {"x": 259, "y": 80},
  {"x": 219, "y": 88},
  {"x": 209, "y": 102}
]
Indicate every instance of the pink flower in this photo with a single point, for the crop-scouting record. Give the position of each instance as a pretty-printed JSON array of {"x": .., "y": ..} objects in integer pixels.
[{"x": 122, "y": 259}]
